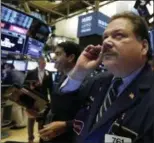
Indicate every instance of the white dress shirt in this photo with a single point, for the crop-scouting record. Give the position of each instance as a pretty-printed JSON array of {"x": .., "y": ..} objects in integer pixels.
[{"x": 41, "y": 74}]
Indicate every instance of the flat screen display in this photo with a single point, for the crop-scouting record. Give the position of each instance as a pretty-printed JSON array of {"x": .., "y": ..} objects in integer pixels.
[
  {"x": 149, "y": 7},
  {"x": 32, "y": 65},
  {"x": 20, "y": 22},
  {"x": 12, "y": 42},
  {"x": 34, "y": 48},
  {"x": 38, "y": 30},
  {"x": 19, "y": 65},
  {"x": 15, "y": 17}
]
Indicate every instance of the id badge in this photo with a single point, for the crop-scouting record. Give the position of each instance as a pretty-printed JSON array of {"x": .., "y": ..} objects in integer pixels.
[{"x": 116, "y": 139}]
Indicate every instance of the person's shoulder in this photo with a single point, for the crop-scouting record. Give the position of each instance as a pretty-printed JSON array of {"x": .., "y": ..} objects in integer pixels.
[
  {"x": 32, "y": 71},
  {"x": 146, "y": 85},
  {"x": 103, "y": 75}
]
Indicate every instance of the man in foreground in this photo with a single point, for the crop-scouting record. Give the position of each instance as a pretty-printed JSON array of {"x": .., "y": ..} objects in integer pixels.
[{"x": 124, "y": 103}]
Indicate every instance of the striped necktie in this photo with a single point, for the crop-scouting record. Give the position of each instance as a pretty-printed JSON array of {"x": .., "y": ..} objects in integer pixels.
[{"x": 110, "y": 97}]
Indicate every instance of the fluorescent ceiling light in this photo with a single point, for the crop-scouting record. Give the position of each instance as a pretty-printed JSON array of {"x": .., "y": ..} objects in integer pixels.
[
  {"x": 150, "y": 7},
  {"x": 151, "y": 20},
  {"x": 58, "y": 1},
  {"x": 52, "y": 55}
]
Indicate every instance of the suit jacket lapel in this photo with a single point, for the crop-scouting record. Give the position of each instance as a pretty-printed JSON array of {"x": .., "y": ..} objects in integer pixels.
[
  {"x": 101, "y": 91},
  {"x": 126, "y": 100},
  {"x": 36, "y": 74},
  {"x": 120, "y": 105},
  {"x": 45, "y": 76}
]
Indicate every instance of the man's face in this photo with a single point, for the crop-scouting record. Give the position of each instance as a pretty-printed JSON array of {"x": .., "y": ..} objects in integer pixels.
[
  {"x": 122, "y": 51},
  {"x": 42, "y": 63},
  {"x": 61, "y": 60}
]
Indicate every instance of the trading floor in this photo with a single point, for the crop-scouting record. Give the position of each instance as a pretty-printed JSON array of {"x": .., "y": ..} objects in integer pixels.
[{"x": 21, "y": 135}]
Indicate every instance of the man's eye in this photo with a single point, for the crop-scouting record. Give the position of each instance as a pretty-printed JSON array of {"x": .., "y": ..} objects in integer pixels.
[
  {"x": 118, "y": 36},
  {"x": 105, "y": 37}
]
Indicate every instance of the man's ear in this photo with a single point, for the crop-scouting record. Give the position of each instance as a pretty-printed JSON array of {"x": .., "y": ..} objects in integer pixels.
[
  {"x": 71, "y": 58},
  {"x": 145, "y": 46}
]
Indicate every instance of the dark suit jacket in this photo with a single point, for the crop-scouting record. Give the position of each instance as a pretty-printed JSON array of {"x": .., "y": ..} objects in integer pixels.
[
  {"x": 133, "y": 109},
  {"x": 64, "y": 107},
  {"x": 46, "y": 84}
]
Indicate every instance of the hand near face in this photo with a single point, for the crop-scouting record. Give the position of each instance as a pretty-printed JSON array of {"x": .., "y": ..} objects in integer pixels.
[
  {"x": 89, "y": 59},
  {"x": 52, "y": 130}
]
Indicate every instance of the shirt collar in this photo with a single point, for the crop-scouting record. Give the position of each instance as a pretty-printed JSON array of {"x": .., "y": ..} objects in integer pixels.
[{"x": 127, "y": 80}]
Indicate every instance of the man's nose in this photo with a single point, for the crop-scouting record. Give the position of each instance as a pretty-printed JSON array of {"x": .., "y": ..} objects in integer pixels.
[{"x": 107, "y": 43}]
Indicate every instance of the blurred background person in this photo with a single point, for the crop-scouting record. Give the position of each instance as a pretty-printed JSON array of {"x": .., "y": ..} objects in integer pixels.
[
  {"x": 10, "y": 77},
  {"x": 41, "y": 81}
]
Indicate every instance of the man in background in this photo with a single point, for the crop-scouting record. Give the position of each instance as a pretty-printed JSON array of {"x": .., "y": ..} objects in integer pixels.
[
  {"x": 6, "y": 73},
  {"x": 63, "y": 107},
  {"x": 41, "y": 81}
]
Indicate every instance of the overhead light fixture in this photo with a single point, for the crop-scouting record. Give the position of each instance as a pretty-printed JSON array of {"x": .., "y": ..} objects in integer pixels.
[
  {"x": 150, "y": 7},
  {"x": 151, "y": 20},
  {"x": 52, "y": 55},
  {"x": 58, "y": 1}
]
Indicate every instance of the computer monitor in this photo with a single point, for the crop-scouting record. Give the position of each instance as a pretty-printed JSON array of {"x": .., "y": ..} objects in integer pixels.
[
  {"x": 34, "y": 48},
  {"x": 12, "y": 42},
  {"x": 50, "y": 67},
  {"x": 32, "y": 65},
  {"x": 15, "y": 20},
  {"x": 18, "y": 21},
  {"x": 19, "y": 65}
]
